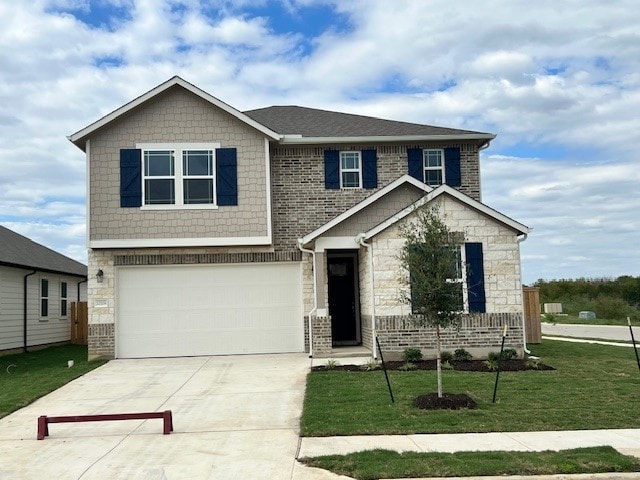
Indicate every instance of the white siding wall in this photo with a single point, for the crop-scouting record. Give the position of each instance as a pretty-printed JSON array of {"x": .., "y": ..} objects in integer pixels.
[{"x": 40, "y": 330}]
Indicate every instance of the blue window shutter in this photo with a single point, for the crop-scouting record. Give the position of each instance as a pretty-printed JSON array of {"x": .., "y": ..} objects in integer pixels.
[
  {"x": 331, "y": 169},
  {"x": 452, "y": 166},
  {"x": 130, "y": 177},
  {"x": 475, "y": 277},
  {"x": 416, "y": 163},
  {"x": 369, "y": 169},
  {"x": 226, "y": 176}
]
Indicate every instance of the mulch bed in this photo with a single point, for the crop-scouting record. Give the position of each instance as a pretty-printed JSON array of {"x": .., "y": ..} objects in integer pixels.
[
  {"x": 514, "y": 365},
  {"x": 451, "y": 401}
]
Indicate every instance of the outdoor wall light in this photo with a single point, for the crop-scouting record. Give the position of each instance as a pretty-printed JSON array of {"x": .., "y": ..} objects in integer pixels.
[{"x": 100, "y": 276}]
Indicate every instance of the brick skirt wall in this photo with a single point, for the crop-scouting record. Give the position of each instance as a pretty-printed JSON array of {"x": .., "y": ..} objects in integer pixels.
[
  {"x": 479, "y": 334},
  {"x": 101, "y": 341}
]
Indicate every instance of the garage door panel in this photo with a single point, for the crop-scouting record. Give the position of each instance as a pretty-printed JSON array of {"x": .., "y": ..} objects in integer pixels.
[{"x": 209, "y": 310}]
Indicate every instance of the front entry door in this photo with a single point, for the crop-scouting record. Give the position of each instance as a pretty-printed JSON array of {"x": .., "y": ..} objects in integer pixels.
[{"x": 343, "y": 298}]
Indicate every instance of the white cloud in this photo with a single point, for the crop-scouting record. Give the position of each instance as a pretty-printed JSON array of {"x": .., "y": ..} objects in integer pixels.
[{"x": 559, "y": 77}]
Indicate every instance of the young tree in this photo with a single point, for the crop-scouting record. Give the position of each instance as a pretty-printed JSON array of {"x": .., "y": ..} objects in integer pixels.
[{"x": 432, "y": 263}]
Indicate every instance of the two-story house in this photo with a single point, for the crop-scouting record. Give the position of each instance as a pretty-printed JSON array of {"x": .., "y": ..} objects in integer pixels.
[{"x": 214, "y": 231}]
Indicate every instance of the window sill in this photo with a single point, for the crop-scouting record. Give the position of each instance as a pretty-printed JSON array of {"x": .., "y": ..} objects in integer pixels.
[{"x": 179, "y": 207}]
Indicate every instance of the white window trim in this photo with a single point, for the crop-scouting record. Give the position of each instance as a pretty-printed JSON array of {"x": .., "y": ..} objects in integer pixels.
[
  {"x": 463, "y": 279},
  {"x": 178, "y": 176},
  {"x": 45, "y": 318},
  {"x": 64, "y": 299},
  {"x": 441, "y": 167},
  {"x": 359, "y": 169}
]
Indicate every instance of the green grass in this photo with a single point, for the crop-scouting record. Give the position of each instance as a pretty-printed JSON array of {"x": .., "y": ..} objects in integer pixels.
[
  {"x": 374, "y": 464},
  {"x": 593, "y": 387},
  {"x": 25, "y": 377}
]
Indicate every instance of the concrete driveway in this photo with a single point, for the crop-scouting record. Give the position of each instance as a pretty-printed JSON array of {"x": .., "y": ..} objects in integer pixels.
[{"x": 233, "y": 416}]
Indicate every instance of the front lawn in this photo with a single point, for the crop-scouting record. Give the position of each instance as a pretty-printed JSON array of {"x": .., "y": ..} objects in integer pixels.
[
  {"x": 374, "y": 464},
  {"x": 25, "y": 377},
  {"x": 593, "y": 387}
]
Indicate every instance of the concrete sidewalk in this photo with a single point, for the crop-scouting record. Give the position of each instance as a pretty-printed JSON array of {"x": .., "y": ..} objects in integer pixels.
[{"x": 626, "y": 441}]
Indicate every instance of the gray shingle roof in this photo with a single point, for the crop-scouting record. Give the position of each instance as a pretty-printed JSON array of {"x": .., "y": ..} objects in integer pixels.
[
  {"x": 311, "y": 122},
  {"x": 19, "y": 251}
]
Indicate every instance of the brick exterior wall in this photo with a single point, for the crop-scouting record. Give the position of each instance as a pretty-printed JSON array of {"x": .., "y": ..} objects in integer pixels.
[
  {"x": 101, "y": 341},
  {"x": 301, "y": 203},
  {"x": 479, "y": 334},
  {"x": 321, "y": 335}
]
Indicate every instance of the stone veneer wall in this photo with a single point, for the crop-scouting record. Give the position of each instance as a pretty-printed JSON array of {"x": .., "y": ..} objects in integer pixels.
[
  {"x": 300, "y": 202},
  {"x": 479, "y": 334},
  {"x": 501, "y": 259}
]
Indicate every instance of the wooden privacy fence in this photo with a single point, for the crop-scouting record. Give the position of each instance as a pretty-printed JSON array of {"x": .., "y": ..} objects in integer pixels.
[
  {"x": 79, "y": 322},
  {"x": 531, "y": 302}
]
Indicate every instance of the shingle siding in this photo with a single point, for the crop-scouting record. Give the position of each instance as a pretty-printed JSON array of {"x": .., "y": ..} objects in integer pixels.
[{"x": 177, "y": 116}]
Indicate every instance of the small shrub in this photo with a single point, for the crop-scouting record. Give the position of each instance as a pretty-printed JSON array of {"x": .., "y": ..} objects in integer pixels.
[
  {"x": 446, "y": 357},
  {"x": 371, "y": 365},
  {"x": 462, "y": 355},
  {"x": 534, "y": 363},
  {"x": 412, "y": 355},
  {"x": 550, "y": 318},
  {"x": 447, "y": 366},
  {"x": 493, "y": 357},
  {"x": 331, "y": 364},
  {"x": 509, "y": 354},
  {"x": 405, "y": 367},
  {"x": 492, "y": 363}
]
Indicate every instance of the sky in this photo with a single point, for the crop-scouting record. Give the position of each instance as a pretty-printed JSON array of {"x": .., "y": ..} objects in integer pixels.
[{"x": 557, "y": 81}]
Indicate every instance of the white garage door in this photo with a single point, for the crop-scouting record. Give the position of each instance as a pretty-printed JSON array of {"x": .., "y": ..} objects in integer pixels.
[{"x": 209, "y": 310}]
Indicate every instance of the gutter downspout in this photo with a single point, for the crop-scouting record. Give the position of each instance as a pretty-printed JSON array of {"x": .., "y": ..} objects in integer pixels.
[
  {"x": 78, "y": 285},
  {"x": 360, "y": 240},
  {"x": 315, "y": 293},
  {"x": 519, "y": 240},
  {"x": 24, "y": 311}
]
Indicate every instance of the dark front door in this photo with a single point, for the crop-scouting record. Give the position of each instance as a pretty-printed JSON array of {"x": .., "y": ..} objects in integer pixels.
[{"x": 343, "y": 305}]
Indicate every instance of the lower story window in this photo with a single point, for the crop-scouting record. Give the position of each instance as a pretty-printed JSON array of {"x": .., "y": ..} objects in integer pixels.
[{"x": 44, "y": 297}]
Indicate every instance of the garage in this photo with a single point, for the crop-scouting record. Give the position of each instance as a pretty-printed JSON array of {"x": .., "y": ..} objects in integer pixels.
[{"x": 188, "y": 310}]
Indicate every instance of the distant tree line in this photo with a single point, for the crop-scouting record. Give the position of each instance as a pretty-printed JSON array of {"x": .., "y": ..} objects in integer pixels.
[{"x": 608, "y": 297}]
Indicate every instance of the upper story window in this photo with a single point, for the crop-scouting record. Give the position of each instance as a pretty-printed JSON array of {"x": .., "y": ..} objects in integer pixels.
[
  {"x": 180, "y": 175},
  {"x": 165, "y": 176},
  {"x": 350, "y": 170},
  {"x": 433, "y": 167}
]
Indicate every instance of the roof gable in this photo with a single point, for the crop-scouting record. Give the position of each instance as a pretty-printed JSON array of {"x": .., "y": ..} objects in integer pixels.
[
  {"x": 405, "y": 179},
  {"x": 21, "y": 252},
  {"x": 465, "y": 199},
  {"x": 80, "y": 137}
]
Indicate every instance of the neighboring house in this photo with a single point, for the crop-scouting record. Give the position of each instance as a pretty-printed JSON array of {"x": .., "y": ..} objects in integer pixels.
[
  {"x": 276, "y": 230},
  {"x": 37, "y": 286}
]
